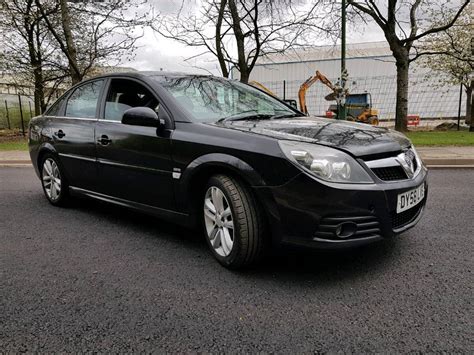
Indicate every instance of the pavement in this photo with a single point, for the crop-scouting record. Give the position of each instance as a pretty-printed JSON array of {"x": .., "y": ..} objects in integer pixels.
[
  {"x": 434, "y": 157},
  {"x": 449, "y": 156},
  {"x": 98, "y": 278}
]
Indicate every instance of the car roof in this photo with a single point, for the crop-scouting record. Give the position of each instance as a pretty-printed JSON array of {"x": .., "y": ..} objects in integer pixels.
[{"x": 141, "y": 74}]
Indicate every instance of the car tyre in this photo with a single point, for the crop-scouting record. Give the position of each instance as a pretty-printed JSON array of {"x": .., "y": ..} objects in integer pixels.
[
  {"x": 233, "y": 223},
  {"x": 53, "y": 181}
]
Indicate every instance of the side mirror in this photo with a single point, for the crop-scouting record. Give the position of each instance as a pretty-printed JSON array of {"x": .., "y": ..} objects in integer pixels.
[{"x": 141, "y": 116}]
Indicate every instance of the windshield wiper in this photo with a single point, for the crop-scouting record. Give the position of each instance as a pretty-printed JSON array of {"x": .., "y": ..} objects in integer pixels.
[
  {"x": 288, "y": 115},
  {"x": 257, "y": 116},
  {"x": 241, "y": 116}
]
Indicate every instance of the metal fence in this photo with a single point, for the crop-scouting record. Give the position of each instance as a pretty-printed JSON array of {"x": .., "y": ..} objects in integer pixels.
[
  {"x": 424, "y": 99},
  {"x": 16, "y": 111}
]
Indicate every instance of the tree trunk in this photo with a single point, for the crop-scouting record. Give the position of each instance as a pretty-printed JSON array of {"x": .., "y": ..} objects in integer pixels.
[
  {"x": 39, "y": 90},
  {"x": 36, "y": 65},
  {"x": 38, "y": 74},
  {"x": 401, "y": 107},
  {"x": 240, "y": 40},
  {"x": 469, "y": 103},
  {"x": 70, "y": 45},
  {"x": 220, "y": 54},
  {"x": 244, "y": 76}
]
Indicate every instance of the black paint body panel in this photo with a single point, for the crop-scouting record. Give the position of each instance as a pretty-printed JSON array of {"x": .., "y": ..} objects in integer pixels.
[{"x": 163, "y": 170}]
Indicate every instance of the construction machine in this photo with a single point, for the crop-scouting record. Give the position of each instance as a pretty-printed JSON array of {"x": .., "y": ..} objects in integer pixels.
[
  {"x": 358, "y": 106},
  {"x": 308, "y": 83}
]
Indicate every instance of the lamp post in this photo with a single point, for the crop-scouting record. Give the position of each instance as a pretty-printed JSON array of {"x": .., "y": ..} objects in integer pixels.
[{"x": 342, "y": 100}]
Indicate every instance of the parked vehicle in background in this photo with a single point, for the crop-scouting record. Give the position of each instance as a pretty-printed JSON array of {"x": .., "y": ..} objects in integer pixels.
[
  {"x": 359, "y": 108},
  {"x": 211, "y": 152}
]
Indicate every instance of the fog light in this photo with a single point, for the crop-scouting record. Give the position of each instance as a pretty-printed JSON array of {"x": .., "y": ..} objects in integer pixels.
[{"x": 346, "y": 230}]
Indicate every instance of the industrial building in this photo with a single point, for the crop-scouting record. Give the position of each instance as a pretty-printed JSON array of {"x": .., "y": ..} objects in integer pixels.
[{"x": 371, "y": 69}]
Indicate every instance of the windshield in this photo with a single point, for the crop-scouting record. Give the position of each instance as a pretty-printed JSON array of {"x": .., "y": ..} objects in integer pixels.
[{"x": 210, "y": 99}]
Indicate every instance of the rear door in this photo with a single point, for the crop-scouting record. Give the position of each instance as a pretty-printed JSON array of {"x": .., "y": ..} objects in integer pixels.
[
  {"x": 134, "y": 161},
  {"x": 74, "y": 134}
]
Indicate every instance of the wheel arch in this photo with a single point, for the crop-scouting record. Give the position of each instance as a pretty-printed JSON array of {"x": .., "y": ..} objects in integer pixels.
[
  {"x": 198, "y": 172},
  {"x": 44, "y": 149}
]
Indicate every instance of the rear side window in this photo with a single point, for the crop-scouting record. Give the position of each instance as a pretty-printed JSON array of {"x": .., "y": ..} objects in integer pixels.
[
  {"x": 124, "y": 94},
  {"x": 55, "y": 108},
  {"x": 83, "y": 101}
]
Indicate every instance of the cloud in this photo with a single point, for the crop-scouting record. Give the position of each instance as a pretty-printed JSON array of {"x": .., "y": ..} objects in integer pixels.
[{"x": 155, "y": 52}]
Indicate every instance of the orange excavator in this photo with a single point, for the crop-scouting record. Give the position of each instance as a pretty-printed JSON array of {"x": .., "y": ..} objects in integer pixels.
[
  {"x": 307, "y": 84},
  {"x": 359, "y": 106}
]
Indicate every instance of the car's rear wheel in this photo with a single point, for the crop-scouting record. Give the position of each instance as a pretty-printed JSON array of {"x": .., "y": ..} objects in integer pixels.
[
  {"x": 54, "y": 184},
  {"x": 233, "y": 222}
]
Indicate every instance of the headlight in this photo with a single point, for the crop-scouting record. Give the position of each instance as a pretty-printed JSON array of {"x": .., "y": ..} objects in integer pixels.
[
  {"x": 325, "y": 163},
  {"x": 417, "y": 156}
]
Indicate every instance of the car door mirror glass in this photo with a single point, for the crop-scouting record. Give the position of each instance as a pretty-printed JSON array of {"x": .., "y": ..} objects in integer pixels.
[{"x": 141, "y": 116}]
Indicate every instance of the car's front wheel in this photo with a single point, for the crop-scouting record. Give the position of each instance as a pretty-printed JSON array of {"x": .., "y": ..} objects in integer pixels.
[
  {"x": 233, "y": 222},
  {"x": 54, "y": 184}
]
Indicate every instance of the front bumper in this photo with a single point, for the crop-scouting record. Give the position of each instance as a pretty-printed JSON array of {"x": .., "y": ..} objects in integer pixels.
[{"x": 307, "y": 212}]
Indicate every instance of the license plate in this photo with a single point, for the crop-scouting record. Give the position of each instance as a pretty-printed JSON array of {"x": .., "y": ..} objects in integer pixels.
[{"x": 408, "y": 199}]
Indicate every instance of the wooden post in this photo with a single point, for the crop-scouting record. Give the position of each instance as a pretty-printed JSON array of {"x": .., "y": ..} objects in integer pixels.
[
  {"x": 31, "y": 112},
  {"x": 459, "y": 106},
  {"x": 21, "y": 116},
  {"x": 8, "y": 115}
]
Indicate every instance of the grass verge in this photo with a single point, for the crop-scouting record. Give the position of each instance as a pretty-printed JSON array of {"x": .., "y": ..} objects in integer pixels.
[
  {"x": 444, "y": 138},
  {"x": 19, "y": 144}
]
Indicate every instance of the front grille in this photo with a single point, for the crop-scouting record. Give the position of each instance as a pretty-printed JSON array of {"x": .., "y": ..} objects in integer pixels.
[
  {"x": 390, "y": 173},
  {"x": 402, "y": 219},
  {"x": 393, "y": 168},
  {"x": 366, "y": 226}
]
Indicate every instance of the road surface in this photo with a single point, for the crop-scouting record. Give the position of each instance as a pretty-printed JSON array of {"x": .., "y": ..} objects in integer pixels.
[{"x": 94, "y": 277}]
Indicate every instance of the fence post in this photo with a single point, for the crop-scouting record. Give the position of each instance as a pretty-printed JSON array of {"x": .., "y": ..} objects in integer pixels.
[
  {"x": 31, "y": 113},
  {"x": 8, "y": 115},
  {"x": 21, "y": 116},
  {"x": 460, "y": 103}
]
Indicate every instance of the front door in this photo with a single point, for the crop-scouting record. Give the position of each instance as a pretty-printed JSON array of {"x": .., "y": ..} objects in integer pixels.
[{"x": 134, "y": 162}]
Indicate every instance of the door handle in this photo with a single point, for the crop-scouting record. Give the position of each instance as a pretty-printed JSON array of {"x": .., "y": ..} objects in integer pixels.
[
  {"x": 104, "y": 140},
  {"x": 59, "y": 134}
]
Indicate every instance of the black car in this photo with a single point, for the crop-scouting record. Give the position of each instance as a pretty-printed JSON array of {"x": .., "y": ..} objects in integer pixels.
[{"x": 211, "y": 152}]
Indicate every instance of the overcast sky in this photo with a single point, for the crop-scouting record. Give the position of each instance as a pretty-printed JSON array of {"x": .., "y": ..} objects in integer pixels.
[{"x": 156, "y": 52}]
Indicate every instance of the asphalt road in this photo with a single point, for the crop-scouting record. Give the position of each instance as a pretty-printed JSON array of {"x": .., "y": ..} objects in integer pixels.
[{"x": 97, "y": 277}]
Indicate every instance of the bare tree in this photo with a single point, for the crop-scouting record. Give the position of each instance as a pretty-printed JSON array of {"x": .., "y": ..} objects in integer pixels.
[
  {"x": 238, "y": 32},
  {"x": 48, "y": 43},
  {"x": 404, "y": 23},
  {"x": 91, "y": 33},
  {"x": 27, "y": 51}
]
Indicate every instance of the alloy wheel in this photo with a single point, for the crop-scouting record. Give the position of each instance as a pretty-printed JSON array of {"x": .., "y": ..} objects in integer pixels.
[
  {"x": 51, "y": 178},
  {"x": 219, "y": 221}
]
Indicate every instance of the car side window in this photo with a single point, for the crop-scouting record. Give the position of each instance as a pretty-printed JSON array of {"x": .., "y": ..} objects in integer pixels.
[
  {"x": 124, "y": 94},
  {"x": 54, "y": 109},
  {"x": 83, "y": 101}
]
